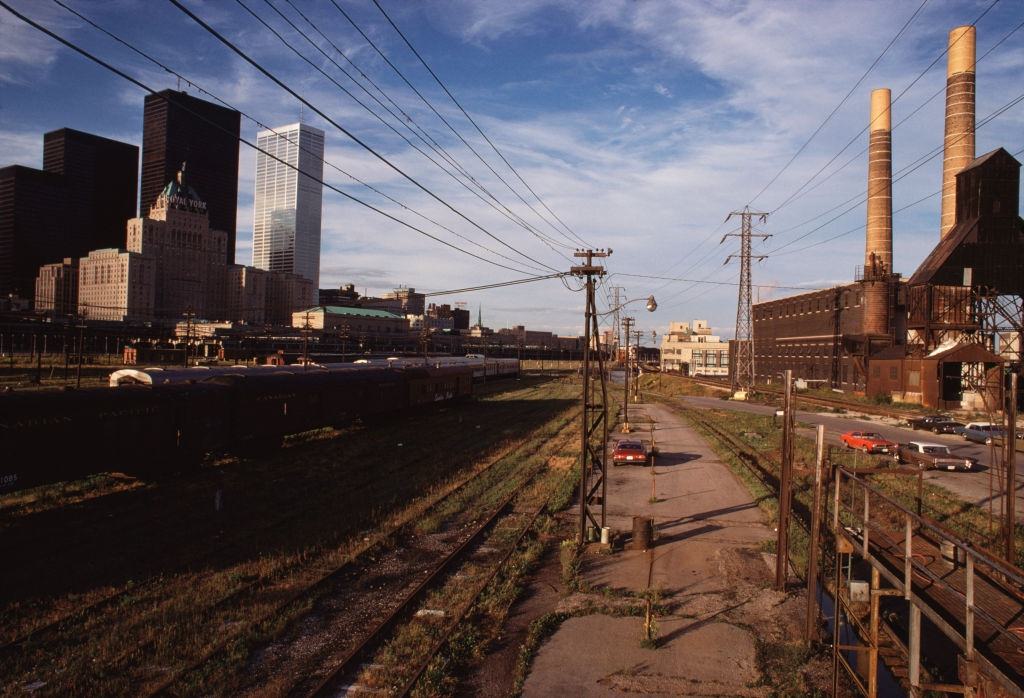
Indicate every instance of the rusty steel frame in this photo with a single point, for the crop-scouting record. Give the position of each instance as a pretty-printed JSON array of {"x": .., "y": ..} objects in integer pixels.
[
  {"x": 593, "y": 456},
  {"x": 904, "y": 582}
]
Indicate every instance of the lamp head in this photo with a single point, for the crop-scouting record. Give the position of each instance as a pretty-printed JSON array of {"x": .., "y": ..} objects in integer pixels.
[{"x": 652, "y": 304}]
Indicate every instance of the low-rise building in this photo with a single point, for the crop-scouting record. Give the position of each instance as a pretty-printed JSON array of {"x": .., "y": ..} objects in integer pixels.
[
  {"x": 693, "y": 350},
  {"x": 286, "y": 293},
  {"x": 57, "y": 288},
  {"x": 116, "y": 285},
  {"x": 246, "y": 294},
  {"x": 355, "y": 322}
]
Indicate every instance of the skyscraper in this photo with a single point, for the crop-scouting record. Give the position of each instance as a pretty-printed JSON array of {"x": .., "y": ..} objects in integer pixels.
[
  {"x": 78, "y": 202},
  {"x": 102, "y": 186},
  {"x": 179, "y": 128},
  {"x": 287, "y": 205}
]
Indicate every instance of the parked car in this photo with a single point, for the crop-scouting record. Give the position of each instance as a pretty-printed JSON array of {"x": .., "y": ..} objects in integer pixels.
[
  {"x": 629, "y": 452},
  {"x": 867, "y": 441},
  {"x": 947, "y": 427},
  {"x": 981, "y": 432},
  {"x": 929, "y": 456},
  {"x": 926, "y": 422}
]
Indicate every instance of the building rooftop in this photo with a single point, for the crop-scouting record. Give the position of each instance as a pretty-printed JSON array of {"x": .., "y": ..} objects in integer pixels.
[{"x": 356, "y": 312}]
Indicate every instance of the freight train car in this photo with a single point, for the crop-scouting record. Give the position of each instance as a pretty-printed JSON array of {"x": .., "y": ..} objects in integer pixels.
[{"x": 50, "y": 436}]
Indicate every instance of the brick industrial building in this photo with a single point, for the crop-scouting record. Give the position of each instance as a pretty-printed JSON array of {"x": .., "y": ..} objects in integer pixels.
[{"x": 942, "y": 336}]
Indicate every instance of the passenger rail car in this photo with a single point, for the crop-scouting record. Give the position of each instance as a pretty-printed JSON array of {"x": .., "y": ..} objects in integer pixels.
[{"x": 150, "y": 429}]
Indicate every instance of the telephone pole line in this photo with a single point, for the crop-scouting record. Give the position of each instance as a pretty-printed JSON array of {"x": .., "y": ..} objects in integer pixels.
[
  {"x": 743, "y": 362},
  {"x": 595, "y": 413},
  {"x": 626, "y": 428}
]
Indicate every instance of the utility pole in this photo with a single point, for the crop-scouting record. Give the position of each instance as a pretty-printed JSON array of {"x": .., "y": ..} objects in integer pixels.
[
  {"x": 1010, "y": 448},
  {"x": 595, "y": 415},
  {"x": 305, "y": 343},
  {"x": 743, "y": 362},
  {"x": 637, "y": 334},
  {"x": 78, "y": 374},
  {"x": 811, "y": 626},
  {"x": 188, "y": 332},
  {"x": 628, "y": 322},
  {"x": 782, "y": 549}
]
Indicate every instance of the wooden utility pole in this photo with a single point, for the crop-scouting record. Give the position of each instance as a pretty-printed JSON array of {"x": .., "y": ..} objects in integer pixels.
[
  {"x": 811, "y": 625},
  {"x": 782, "y": 549},
  {"x": 637, "y": 334},
  {"x": 628, "y": 323},
  {"x": 593, "y": 455},
  {"x": 1010, "y": 448},
  {"x": 188, "y": 332}
]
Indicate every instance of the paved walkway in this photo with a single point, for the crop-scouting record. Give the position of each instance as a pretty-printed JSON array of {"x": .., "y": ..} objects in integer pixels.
[{"x": 707, "y": 565}]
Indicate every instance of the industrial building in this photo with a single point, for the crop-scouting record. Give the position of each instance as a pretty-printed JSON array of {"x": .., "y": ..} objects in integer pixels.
[
  {"x": 177, "y": 128},
  {"x": 942, "y": 336}
]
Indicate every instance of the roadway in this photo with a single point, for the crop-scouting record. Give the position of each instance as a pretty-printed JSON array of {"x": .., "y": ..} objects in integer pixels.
[{"x": 970, "y": 486}]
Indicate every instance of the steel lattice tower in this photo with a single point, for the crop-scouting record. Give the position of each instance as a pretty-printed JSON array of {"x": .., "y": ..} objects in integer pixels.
[{"x": 743, "y": 361}]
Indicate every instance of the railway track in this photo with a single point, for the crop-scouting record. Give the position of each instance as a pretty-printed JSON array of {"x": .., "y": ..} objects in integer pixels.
[
  {"x": 95, "y": 619},
  {"x": 816, "y": 400},
  {"x": 349, "y": 571}
]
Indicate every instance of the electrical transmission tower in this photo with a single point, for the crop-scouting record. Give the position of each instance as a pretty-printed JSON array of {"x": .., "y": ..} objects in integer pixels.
[
  {"x": 743, "y": 361},
  {"x": 617, "y": 304},
  {"x": 595, "y": 407}
]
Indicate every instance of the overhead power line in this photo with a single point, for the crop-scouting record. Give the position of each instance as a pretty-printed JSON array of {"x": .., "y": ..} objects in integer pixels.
[
  {"x": 801, "y": 191},
  {"x": 99, "y": 61},
  {"x": 440, "y": 116},
  {"x": 903, "y": 173},
  {"x": 442, "y": 153},
  {"x": 287, "y": 138},
  {"x": 280, "y": 83},
  {"x": 841, "y": 102},
  {"x": 501, "y": 284},
  {"x": 476, "y": 125},
  {"x": 861, "y": 227}
]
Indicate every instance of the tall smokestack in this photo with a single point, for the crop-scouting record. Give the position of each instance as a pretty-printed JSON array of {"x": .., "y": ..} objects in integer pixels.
[
  {"x": 878, "y": 242},
  {"x": 878, "y": 247},
  {"x": 959, "y": 143}
]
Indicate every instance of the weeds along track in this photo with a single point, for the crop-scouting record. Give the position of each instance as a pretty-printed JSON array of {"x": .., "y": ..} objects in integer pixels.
[
  {"x": 317, "y": 621},
  {"x": 195, "y": 589},
  {"x": 818, "y": 400}
]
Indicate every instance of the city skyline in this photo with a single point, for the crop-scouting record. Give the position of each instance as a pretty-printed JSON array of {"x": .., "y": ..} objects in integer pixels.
[{"x": 638, "y": 141}]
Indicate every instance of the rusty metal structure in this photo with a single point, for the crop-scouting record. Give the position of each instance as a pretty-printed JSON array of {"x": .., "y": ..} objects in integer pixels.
[{"x": 594, "y": 437}]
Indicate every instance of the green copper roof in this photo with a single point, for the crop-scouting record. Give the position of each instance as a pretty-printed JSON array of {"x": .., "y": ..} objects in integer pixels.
[
  {"x": 356, "y": 312},
  {"x": 178, "y": 187}
]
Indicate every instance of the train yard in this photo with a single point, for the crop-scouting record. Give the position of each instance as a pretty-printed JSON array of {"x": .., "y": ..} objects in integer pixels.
[
  {"x": 939, "y": 551},
  {"x": 178, "y": 586}
]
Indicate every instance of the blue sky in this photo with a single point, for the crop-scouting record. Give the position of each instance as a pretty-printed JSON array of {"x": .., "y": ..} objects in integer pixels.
[{"x": 641, "y": 124}]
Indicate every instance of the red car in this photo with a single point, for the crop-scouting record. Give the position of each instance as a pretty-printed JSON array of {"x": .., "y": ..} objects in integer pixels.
[
  {"x": 628, "y": 452},
  {"x": 868, "y": 441}
]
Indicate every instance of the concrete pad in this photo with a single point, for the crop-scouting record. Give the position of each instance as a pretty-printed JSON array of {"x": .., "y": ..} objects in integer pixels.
[
  {"x": 602, "y": 656},
  {"x": 705, "y": 564}
]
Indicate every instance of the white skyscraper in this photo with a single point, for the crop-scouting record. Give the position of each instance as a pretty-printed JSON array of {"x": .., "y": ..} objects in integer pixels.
[{"x": 287, "y": 206}]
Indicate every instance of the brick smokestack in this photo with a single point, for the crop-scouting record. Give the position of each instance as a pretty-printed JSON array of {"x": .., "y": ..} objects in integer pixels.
[
  {"x": 878, "y": 247},
  {"x": 959, "y": 142}
]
